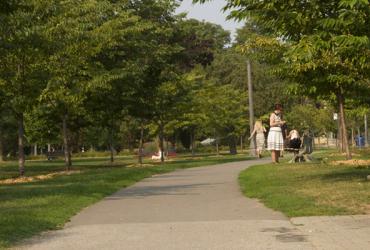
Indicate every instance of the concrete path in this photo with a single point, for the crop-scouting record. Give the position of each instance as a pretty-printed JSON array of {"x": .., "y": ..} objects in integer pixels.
[{"x": 198, "y": 208}]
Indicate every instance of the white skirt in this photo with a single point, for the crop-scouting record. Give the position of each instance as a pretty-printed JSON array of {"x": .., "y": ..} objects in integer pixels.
[{"x": 275, "y": 139}]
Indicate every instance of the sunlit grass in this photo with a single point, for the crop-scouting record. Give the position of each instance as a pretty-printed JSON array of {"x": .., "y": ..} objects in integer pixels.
[
  {"x": 307, "y": 189},
  {"x": 29, "y": 208}
]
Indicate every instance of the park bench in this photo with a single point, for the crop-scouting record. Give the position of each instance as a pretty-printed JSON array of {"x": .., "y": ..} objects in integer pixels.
[
  {"x": 54, "y": 154},
  {"x": 300, "y": 155}
]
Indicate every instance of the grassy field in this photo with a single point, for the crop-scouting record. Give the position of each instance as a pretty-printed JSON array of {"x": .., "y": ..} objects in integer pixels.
[
  {"x": 29, "y": 208},
  {"x": 327, "y": 186}
]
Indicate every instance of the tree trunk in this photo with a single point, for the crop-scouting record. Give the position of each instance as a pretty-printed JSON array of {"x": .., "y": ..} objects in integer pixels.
[
  {"x": 192, "y": 142},
  {"x": 21, "y": 158},
  {"x": 111, "y": 150},
  {"x": 130, "y": 142},
  {"x": 251, "y": 109},
  {"x": 353, "y": 137},
  {"x": 216, "y": 140},
  {"x": 161, "y": 149},
  {"x": 1, "y": 147},
  {"x": 141, "y": 144},
  {"x": 366, "y": 132},
  {"x": 111, "y": 147},
  {"x": 232, "y": 145},
  {"x": 343, "y": 127},
  {"x": 67, "y": 153},
  {"x": 167, "y": 147},
  {"x": 241, "y": 144},
  {"x": 339, "y": 135},
  {"x": 35, "y": 150}
]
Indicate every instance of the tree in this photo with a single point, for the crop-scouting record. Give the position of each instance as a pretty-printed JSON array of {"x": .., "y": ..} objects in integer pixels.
[
  {"x": 83, "y": 38},
  {"x": 21, "y": 63},
  {"x": 329, "y": 52}
]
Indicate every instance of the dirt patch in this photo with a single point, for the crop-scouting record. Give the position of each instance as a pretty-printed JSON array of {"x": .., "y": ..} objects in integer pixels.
[
  {"x": 352, "y": 162},
  {"x": 27, "y": 179}
]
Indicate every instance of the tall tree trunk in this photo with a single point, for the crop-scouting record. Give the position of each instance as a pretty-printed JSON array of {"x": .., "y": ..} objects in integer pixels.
[
  {"x": 167, "y": 147},
  {"x": 241, "y": 144},
  {"x": 161, "y": 137},
  {"x": 366, "y": 132},
  {"x": 67, "y": 153},
  {"x": 232, "y": 145},
  {"x": 217, "y": 147},
  {"x": 343, "y": 126},
  {"x": 21, "y": 158},
  {"x": 111, "y": 150},
  {"x": 111, "y": 147},
  {"x": 327, "y": 139},
  {"x": 192, "y": 132},
  {"x": 353, "y": 137},
  {"x": 1, "y": 147},
  {"x": 130, "y": 141},
  {"x": 251, "y": 108},
  {"x": 339, "y": 134},
  {"x": 141, "y": 144},
  {"x": 35, "y": 150}
]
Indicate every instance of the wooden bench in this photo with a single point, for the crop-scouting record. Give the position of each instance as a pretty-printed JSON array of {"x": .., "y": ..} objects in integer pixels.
[{"x": 298, "y": 156}]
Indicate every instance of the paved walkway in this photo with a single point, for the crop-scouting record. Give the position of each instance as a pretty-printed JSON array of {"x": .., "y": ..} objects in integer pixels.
[{"x": 198, "y": 208}]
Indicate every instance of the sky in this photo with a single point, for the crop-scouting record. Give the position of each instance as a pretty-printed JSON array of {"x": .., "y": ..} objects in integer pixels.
[{"x": 211, "y": 12}]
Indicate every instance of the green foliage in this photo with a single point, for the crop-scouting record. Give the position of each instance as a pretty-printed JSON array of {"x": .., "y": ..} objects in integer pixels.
[
  {"x": 307, "y": 116},
  {"x": 200, "y": 41}
]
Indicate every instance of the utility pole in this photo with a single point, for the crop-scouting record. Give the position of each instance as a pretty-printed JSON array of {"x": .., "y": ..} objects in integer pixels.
[{"x": 251, "y": 110}]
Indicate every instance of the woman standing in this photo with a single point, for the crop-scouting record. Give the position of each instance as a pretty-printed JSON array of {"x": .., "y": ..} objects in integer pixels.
[
  {"x": 275, "y": 141},
  {"x": 259, "y": 130}
]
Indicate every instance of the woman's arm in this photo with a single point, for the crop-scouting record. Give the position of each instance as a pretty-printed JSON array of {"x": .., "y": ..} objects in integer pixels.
[{"x": 254, "y": 131}]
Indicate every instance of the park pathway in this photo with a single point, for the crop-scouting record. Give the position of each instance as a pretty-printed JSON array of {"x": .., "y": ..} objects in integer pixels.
[{"x": 197, "y": 208}]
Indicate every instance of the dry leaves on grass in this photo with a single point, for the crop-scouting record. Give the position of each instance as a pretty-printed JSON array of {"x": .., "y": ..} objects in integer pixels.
[
  {"x": 343, "y": 154},
  {"x": 353, "y": 162},
  {"x": 137, "y": 165},
  {"x": 27, "y": 179}
]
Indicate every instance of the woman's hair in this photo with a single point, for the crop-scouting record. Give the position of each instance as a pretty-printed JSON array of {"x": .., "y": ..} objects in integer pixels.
[{"x": 278, "y": 106}]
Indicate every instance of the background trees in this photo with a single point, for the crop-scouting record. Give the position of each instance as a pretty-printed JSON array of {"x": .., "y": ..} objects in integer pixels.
[
  {"x": 79, "y": 74},
  {"x": 328, "y": 50}
]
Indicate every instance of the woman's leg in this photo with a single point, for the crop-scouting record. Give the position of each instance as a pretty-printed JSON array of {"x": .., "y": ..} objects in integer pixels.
[
  {"x": 277, "y": 155},
  {"x": 273, "y": 156},
  {"x": 259, "y": 153}
]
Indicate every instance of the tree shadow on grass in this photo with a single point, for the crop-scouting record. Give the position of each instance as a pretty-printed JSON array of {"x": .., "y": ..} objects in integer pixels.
[
  {"x": 348, "y": 174},
  {"x": 145, "y": 191}
]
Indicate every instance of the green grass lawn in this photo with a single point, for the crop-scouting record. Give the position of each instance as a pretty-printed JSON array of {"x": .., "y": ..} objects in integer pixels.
[
  {"x": 27, "y": 209},
  {"x": 308, "y": 189}
]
